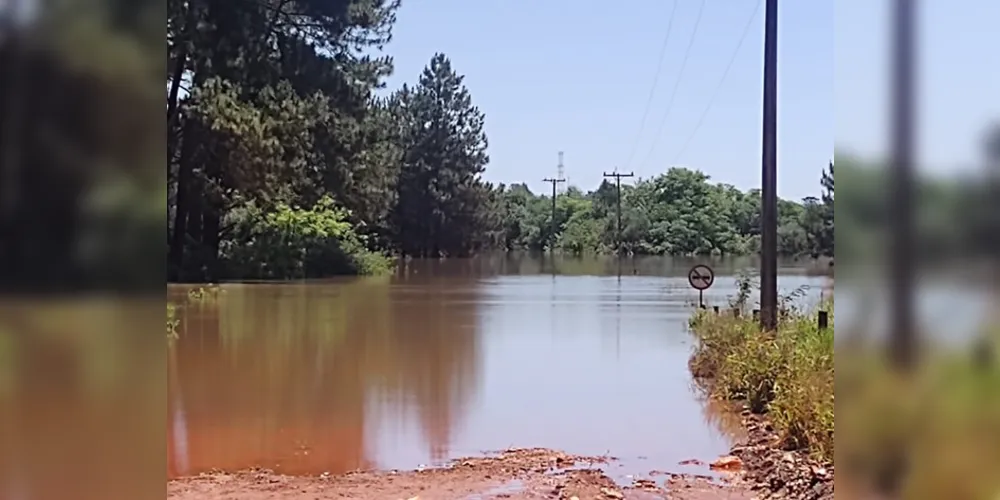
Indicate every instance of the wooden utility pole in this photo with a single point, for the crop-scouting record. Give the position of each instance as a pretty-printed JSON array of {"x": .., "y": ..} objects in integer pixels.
[
  {"x": 553, "y": 223},
  {"x": 903, "y": 343},
  {"x": 618, "y": 184},
  {"x": 769, "y": 174}
]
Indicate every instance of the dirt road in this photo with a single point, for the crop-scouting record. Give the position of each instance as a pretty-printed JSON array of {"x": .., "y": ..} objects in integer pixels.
[{"x": 514, "y": 474}]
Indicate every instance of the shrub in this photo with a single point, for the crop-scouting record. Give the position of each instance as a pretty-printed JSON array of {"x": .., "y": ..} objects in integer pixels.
[
  {"x": 296, "y": 243},
  {"x": 788, "y": 373}
]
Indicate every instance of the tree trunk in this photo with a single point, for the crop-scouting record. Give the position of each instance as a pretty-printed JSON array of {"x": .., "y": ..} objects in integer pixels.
[{"x": 178, "y": 240}]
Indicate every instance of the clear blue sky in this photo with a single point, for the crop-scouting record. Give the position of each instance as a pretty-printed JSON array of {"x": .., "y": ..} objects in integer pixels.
[
  {"x": 958, "y": 85},
  {"x": 575, "y": 76}
]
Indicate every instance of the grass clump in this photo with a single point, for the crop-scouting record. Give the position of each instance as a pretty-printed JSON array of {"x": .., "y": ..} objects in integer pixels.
[
  {"x": 788, "y": 374},
  {"x": 172, "y": 321},
  {"x": 204, "y": 294}
]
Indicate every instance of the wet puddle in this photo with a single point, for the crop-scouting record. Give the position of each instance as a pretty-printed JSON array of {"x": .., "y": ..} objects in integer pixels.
[{"x": 444, "y": 363}]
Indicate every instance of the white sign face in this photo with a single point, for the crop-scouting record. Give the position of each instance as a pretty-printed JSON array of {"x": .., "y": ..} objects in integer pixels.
[{"x": 701, "y": 277}]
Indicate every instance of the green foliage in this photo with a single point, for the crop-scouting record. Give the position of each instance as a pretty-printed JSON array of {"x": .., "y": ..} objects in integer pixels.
[
  {"x": 81, "y": 88},
  {"x": 678, "y": 213},
  {"x": 747, "y": 280},
  {"x": 788, "y": 374},
  {"x": 273, "y": 105},
  {"x": 288, "y": 242},
  {"x": 956, "y": 216},
  {"x": 582, "y": 233},
  {"x": 444, "y": 207}
]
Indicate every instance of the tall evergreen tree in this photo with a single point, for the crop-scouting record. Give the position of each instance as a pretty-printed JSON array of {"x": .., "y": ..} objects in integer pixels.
[
  {"x": 444, "y": 207},
  {"x": 827, "y": 233}
]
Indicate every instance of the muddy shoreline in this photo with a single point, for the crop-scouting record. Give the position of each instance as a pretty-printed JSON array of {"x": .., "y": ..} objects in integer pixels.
[
  {"x": 757, "y": 467},
  {"x": 512, "y": 474},
  {"x": 773, "y": 472}
]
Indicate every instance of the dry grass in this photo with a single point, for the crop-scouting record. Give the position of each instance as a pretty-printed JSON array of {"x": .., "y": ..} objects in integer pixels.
[{"x": 788, "y": 374}]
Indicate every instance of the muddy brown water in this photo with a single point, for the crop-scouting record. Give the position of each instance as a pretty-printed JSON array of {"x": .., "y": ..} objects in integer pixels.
[{"x": 447, "y": 359}]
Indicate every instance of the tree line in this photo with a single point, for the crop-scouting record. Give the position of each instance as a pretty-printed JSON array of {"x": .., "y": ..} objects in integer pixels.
[
  {"x": 956, "y": 217},
  {"x": 679, "y": 212},
  {"x": 286, "y": 160}
]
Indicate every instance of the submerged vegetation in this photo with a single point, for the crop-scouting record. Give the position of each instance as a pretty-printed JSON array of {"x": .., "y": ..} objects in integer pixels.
[
  {"x": 172, "y": 321},
  {"x": 197, "y": 297}
]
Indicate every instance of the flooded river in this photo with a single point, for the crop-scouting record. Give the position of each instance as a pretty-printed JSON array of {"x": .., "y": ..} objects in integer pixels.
[{"x": 447, "y": 359}]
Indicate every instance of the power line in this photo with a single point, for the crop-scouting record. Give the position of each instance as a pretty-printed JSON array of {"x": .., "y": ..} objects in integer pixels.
[
  {"x": 677, "y": 84},
  {"x": 718, "y": 88},
  {"x": 652, "y": 88}
]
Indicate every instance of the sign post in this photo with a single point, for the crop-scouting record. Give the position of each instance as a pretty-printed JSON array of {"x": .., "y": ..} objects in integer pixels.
[{"x": 701, "y": 278}]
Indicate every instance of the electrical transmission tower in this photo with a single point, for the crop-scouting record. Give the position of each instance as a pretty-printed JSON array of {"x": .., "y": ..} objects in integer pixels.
[
  {"x": 618, "y": 184},
  {"x": 561, "y": 174}
]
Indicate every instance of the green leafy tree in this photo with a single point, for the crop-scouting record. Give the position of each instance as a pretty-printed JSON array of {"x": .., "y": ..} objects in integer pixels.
[
  {"x": 271, "y": 101},
  {"x": 825, "y": 237},
  {"x": 272, "y": 105}
]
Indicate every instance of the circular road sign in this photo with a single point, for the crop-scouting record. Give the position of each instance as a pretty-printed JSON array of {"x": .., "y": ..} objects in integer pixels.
[{"x": 701, "y": 277}]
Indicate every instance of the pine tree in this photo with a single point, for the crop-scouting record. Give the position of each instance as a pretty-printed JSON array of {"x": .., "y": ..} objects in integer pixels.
[
  {"x": 444, "y": 207},
  {"x": 827, "y": 235}
]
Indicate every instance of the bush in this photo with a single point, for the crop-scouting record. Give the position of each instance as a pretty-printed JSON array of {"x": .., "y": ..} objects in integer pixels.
[
  {"x": 788, "y": 374},
  {"x": 295, "y": 243}
]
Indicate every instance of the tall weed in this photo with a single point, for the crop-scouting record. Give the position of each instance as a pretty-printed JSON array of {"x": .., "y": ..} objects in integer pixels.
[{"x": 788, "y": 374}]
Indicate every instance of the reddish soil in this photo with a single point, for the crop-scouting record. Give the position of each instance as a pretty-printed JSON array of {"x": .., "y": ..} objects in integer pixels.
[
  {"x": 514, "y": 474},
  {"x": 756, "y": 468},
  {"x": 774, "y": 472}
]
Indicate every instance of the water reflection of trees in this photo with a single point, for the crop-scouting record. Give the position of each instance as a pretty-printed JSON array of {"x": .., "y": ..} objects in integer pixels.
[
  {"x": 284, "y": 375},
  {"x": 81, "y": 398},
  {"x": 526, "y": 264},
  {"x": 438, "y": 359}
]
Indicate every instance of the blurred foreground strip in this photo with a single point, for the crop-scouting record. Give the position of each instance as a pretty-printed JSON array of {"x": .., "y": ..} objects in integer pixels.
[
  {"x": 82, "y": 148},
  {"x": 931, "y": 434},
  {"x": 82, "y": 233},
  {"x": 82, "y": 412}
]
